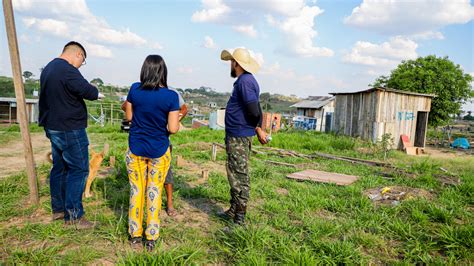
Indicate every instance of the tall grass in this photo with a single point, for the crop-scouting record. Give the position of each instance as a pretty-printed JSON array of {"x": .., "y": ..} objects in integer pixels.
[{"x": 288, "y": 222}]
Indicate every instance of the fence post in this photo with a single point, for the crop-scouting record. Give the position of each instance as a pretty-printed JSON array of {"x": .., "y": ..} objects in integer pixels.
[
  {"x": 111, "y": 113},
  {"x": 20, "y": 99}
]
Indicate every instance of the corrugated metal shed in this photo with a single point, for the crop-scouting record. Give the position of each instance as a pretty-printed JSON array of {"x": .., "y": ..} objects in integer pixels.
[
  {"x": 8, "y": 112},
  {"x": 313, "y": 102},
  {"x": 316, "y": 110},
  {"x": 371, "y": 113}
]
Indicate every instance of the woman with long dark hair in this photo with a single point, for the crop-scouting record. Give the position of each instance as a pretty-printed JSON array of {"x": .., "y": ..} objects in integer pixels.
[{"x": 153, "y": 110}]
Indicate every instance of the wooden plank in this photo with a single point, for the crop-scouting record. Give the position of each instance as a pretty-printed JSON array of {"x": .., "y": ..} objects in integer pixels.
[
  {"x": 324, "y": 177},
  {"x": 20, "y": 99}
]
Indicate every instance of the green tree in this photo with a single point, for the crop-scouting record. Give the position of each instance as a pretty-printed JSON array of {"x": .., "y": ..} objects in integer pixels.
[
  {"x": 265, "y": 100},
  {"x": 27, "y": 74},
  {"x": 97, "y": 81},
  {"x": 434, "y": 75},
  {"x": 469, "y": 117}
]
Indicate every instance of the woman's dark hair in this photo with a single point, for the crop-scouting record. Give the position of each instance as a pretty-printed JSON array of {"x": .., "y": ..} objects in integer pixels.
[{"x": 154, "y": 73}]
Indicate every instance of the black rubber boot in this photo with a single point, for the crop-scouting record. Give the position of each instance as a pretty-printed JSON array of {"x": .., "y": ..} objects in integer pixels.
[
  {"x": 230, "y": 213},
  {"x": 240, "y": 211}
]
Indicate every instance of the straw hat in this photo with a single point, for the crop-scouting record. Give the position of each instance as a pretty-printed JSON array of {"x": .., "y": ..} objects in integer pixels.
[{"x": 243, "y": 57}]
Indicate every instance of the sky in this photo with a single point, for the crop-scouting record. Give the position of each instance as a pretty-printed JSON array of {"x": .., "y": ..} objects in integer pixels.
[{"x": 304, "y": 47}]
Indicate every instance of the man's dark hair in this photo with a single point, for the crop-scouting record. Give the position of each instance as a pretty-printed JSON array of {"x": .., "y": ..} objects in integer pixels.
[
  {"x": 154, "y": 73},
  {"x": 73, "y": 43}
]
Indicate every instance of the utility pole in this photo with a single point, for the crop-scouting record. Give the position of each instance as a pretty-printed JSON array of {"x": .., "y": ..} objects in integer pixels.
[{"x": 20, "y": 99}]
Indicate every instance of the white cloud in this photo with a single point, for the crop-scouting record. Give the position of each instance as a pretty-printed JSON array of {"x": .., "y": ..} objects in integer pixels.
[
  {"x": 384, "y": 56},
  {"x": 51, "y": 26},
  {"x": 58, "y": 8},
  {"x": 428, "y": 35},
  {"x": 300, "y": 33},
  {"x": 271, "y": 69},
  {"x": 100, "y": 32},
  {"x": 277, "y": 7},
  {"x": 185, "y": 70},
  {"x": 214, "y": 10},
  {"x": 98, "y": 50},
  {"x": 401, "y": 17},
  {"x": 156, "y": 46},
  {"x": 289, "y": 81},
  {"x": 295, "y": 19},
  {"x": 72, "y": 19},
  {"x": 209, "y": 43},
  {"x": 248, "y": 30}
]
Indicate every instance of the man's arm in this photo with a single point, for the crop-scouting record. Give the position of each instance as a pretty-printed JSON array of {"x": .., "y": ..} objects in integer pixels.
[
  {"x": 254, "y": 114},
  {"x": 79, "y": 86}
]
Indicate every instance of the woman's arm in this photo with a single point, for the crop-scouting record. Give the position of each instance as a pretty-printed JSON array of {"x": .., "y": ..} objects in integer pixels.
[
  {"x": 183, "y": 112},
  {"x": 127, "y": 107},
  {"x": 173, "y": 122}
]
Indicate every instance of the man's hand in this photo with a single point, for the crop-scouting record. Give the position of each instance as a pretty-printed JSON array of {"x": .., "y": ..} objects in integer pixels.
[{"x": 262, "y": 135}]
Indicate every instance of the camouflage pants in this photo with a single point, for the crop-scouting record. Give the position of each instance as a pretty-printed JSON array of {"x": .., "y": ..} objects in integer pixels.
[{"x": 238, "y": 152}]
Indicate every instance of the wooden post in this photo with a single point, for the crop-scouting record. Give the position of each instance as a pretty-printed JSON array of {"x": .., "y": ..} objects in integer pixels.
[
  {"x": 214, "y": 152},
  {"x": 111, "y": 114},
  {"x": 205, "y": 174},
  {"x": 179, "y": 161},
  {"x": 10, "y": 113},
  {"x": 112, "y": 161},
  {"x": 20, "y": 99}
]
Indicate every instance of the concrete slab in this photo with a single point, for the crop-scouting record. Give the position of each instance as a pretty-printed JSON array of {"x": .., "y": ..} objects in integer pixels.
[{"x": 323, "y": 177}]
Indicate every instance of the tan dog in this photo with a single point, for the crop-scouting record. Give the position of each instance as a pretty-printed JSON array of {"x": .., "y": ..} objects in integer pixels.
[{"x": 94, "y": 165}]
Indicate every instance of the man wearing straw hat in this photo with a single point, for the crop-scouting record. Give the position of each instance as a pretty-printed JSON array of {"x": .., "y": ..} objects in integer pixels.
[{"x": 243, "y": 118}]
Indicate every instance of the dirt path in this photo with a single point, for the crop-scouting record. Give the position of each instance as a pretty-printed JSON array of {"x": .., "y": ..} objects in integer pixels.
[{"x": 12, "y": 157}]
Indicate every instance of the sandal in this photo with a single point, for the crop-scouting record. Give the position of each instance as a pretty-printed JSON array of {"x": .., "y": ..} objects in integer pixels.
[{"x": 150, "y": 245}]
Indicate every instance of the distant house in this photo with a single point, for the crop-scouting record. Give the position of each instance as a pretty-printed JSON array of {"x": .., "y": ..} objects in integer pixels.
[
  {"x": 371, "y": 113},
  {"x": 212, "y": 104},
  {"x": 217, "y": 119},
  {"x": 8, "y": 110},
  {"x": 314, "y": 113}
]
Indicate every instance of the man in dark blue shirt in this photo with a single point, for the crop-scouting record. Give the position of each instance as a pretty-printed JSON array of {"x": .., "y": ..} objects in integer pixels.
[
  {"x": 243, "y": 119},
  {"x": 63, "y": 114}
]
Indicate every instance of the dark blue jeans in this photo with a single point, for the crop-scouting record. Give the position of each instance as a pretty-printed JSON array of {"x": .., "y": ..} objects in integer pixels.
[{"x": 70, "y": 170}]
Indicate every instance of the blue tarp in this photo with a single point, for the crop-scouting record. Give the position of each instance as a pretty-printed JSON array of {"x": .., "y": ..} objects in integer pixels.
[{"x": 461, "y": 143}]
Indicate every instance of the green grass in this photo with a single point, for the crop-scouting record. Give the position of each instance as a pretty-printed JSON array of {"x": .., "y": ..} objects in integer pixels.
[{"x": 289, "y": 222}]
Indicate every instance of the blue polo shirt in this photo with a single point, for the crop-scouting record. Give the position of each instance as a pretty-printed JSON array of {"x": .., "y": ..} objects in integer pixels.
[
  {"x": 246, "y": 90},
  {"x": 149, "y": 136}
]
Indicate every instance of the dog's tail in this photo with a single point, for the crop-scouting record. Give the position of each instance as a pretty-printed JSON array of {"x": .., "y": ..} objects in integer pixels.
[{"x": 49, "y": 157}]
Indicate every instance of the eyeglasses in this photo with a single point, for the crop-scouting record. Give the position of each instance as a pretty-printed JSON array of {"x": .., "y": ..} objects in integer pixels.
[{"x": 83, "y": 61}]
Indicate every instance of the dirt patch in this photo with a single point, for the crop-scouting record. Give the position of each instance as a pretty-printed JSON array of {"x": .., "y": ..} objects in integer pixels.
[
  {"x": 193, "y": 213},
  {"x": 395, "y": 194},
  {"x": 194, "y": 170},
  {"x": 444, "y": 153},
  {"x": 324, "y": 214},
  {"x": 12, "y": 155},
  {"x": 282, "y": 191}
]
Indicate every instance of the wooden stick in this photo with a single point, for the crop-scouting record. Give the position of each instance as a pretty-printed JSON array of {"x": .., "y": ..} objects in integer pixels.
[
  {"x": 20, "y": 100},
  {"x": 214, "y": 152},
  {"x": 281, "y": 163}
]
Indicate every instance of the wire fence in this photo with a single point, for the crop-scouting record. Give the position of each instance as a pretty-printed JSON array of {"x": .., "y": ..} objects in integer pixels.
[{"x": 105, "y": 113}]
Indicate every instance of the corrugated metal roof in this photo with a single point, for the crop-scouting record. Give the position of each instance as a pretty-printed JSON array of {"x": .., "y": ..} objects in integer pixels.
[
  {"x": 13, "y": 100},
  {"x": 313, "y": 104},
  {"x": 386, "y": 89}
]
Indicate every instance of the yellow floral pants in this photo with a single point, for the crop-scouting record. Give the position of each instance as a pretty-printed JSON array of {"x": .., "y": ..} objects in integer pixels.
[{"x": 146, "y": 177}]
